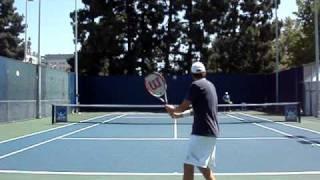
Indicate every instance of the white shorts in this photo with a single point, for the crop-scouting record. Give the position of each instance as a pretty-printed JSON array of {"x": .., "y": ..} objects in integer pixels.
[{"x": 201, "y": 151}]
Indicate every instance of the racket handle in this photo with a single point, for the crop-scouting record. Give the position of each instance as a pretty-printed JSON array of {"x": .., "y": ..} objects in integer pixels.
[{"x": 162, "y": 100}]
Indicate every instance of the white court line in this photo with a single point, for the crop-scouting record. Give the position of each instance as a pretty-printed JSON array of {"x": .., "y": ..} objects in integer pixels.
[
  {"x": 58, "y": 137},
  {"x": 156, "y": 174},
  {"x": 146, "y": 117},
  {"x": 126, "y": 139},
  {"x": 160, "y": 117},
  {"x": 278, "y": 131},
  {"x": 30, "y": 100},
  {"x": 51, "y": 129},
  {"x": 169, "y": 139},
  {"x": 289, "y": 125},
  {"x": 175, "y": 129}
]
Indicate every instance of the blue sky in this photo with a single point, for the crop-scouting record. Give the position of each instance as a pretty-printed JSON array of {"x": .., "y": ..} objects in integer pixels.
[{"x": 56, "y": 31}]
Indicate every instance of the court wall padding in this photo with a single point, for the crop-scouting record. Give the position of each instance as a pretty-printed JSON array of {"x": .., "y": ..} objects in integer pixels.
[{"x": 243, "y": 88}]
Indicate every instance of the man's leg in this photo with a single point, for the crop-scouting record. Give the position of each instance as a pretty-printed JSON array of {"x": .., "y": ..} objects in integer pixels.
[
  {"x": 207, "y": 173},
  {"x": 188, "y": 172}
]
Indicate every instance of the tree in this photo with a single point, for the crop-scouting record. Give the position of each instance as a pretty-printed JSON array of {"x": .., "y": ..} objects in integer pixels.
[
  {"x": 10, "y": 27},
  {"x": 120, "y": 37},
  {"x": 298, "y": 36},
  {"x": 101, "y": 30},
  {"x": 150, "y": 34},
  {"x": 201, "y": 21},
  {"x": 301, "y": 35},
  {"x": 291, "y": 42},
  {"x": 172, "y": 33},
  {"x": 244, "y": 42},
  {"x": 137, "y": 37}
]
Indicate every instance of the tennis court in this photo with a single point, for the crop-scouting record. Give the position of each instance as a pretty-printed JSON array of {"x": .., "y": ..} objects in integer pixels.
[{"x": 130, "y": 145}]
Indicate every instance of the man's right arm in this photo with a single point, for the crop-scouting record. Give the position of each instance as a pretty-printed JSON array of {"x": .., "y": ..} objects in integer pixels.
[
  {"x": 183, "y": 106},
  {"x": 185, "y": 103},
  {"x": 180, "y": 110}
]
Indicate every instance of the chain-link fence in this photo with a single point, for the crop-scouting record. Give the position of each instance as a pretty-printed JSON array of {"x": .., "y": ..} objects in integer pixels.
[
  {"x": 18, "y": 89},
  {"x": 310, "y": 90}
]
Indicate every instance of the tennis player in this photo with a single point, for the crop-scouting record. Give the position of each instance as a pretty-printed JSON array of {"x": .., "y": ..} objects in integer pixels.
[
  {"x": 205, "y": 129},
  {"x": 226, "y": 98}
]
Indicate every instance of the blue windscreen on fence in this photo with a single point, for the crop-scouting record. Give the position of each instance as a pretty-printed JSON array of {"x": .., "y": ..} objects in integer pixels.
[{"x": 243, "y": 88}]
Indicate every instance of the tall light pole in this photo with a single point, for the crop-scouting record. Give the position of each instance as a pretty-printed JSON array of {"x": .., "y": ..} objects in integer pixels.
[
  {"x": 277, "y": 51},
  {"x": 76, "y": 51},
  {"x": 39, "y": 66},
  {"x": 26, "y": 33},
  {"x": 316, "y": 29}
]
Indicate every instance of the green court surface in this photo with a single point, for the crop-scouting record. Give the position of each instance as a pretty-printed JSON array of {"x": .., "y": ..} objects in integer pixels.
[{"x": 21, "y": 128}]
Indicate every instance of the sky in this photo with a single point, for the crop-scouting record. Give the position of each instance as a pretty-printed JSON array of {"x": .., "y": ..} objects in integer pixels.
[{"x": 56, "y": 35}]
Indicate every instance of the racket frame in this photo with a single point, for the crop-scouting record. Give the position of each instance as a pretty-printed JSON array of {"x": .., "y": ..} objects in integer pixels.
[{"x": 163, "y": 81}]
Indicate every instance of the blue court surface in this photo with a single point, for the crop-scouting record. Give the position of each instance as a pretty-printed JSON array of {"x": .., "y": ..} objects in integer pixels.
[{"x": 142, "y": 144}]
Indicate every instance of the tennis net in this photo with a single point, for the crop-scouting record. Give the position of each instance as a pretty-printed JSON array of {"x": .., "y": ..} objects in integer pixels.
[{"x": 155, "y": 114}]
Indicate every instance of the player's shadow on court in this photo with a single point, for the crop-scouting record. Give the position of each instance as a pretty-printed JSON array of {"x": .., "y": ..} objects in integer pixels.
[{"x": 305, "y": 140}]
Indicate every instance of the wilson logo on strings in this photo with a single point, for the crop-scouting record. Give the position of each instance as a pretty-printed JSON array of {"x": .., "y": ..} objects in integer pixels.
[{"x": 155, "y": 83}]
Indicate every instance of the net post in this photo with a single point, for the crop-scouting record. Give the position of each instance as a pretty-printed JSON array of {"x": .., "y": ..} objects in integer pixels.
[{"x": 53, "y": 110}]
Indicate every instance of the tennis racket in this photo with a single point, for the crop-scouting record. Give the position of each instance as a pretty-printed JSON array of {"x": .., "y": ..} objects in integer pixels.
[{"x": 156, "y": 86}]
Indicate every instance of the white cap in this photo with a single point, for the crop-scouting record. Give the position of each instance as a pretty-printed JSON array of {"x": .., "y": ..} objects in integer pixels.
[
  {"x": 197, "y": 68},
  {"x": 226, "y": 92}
]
